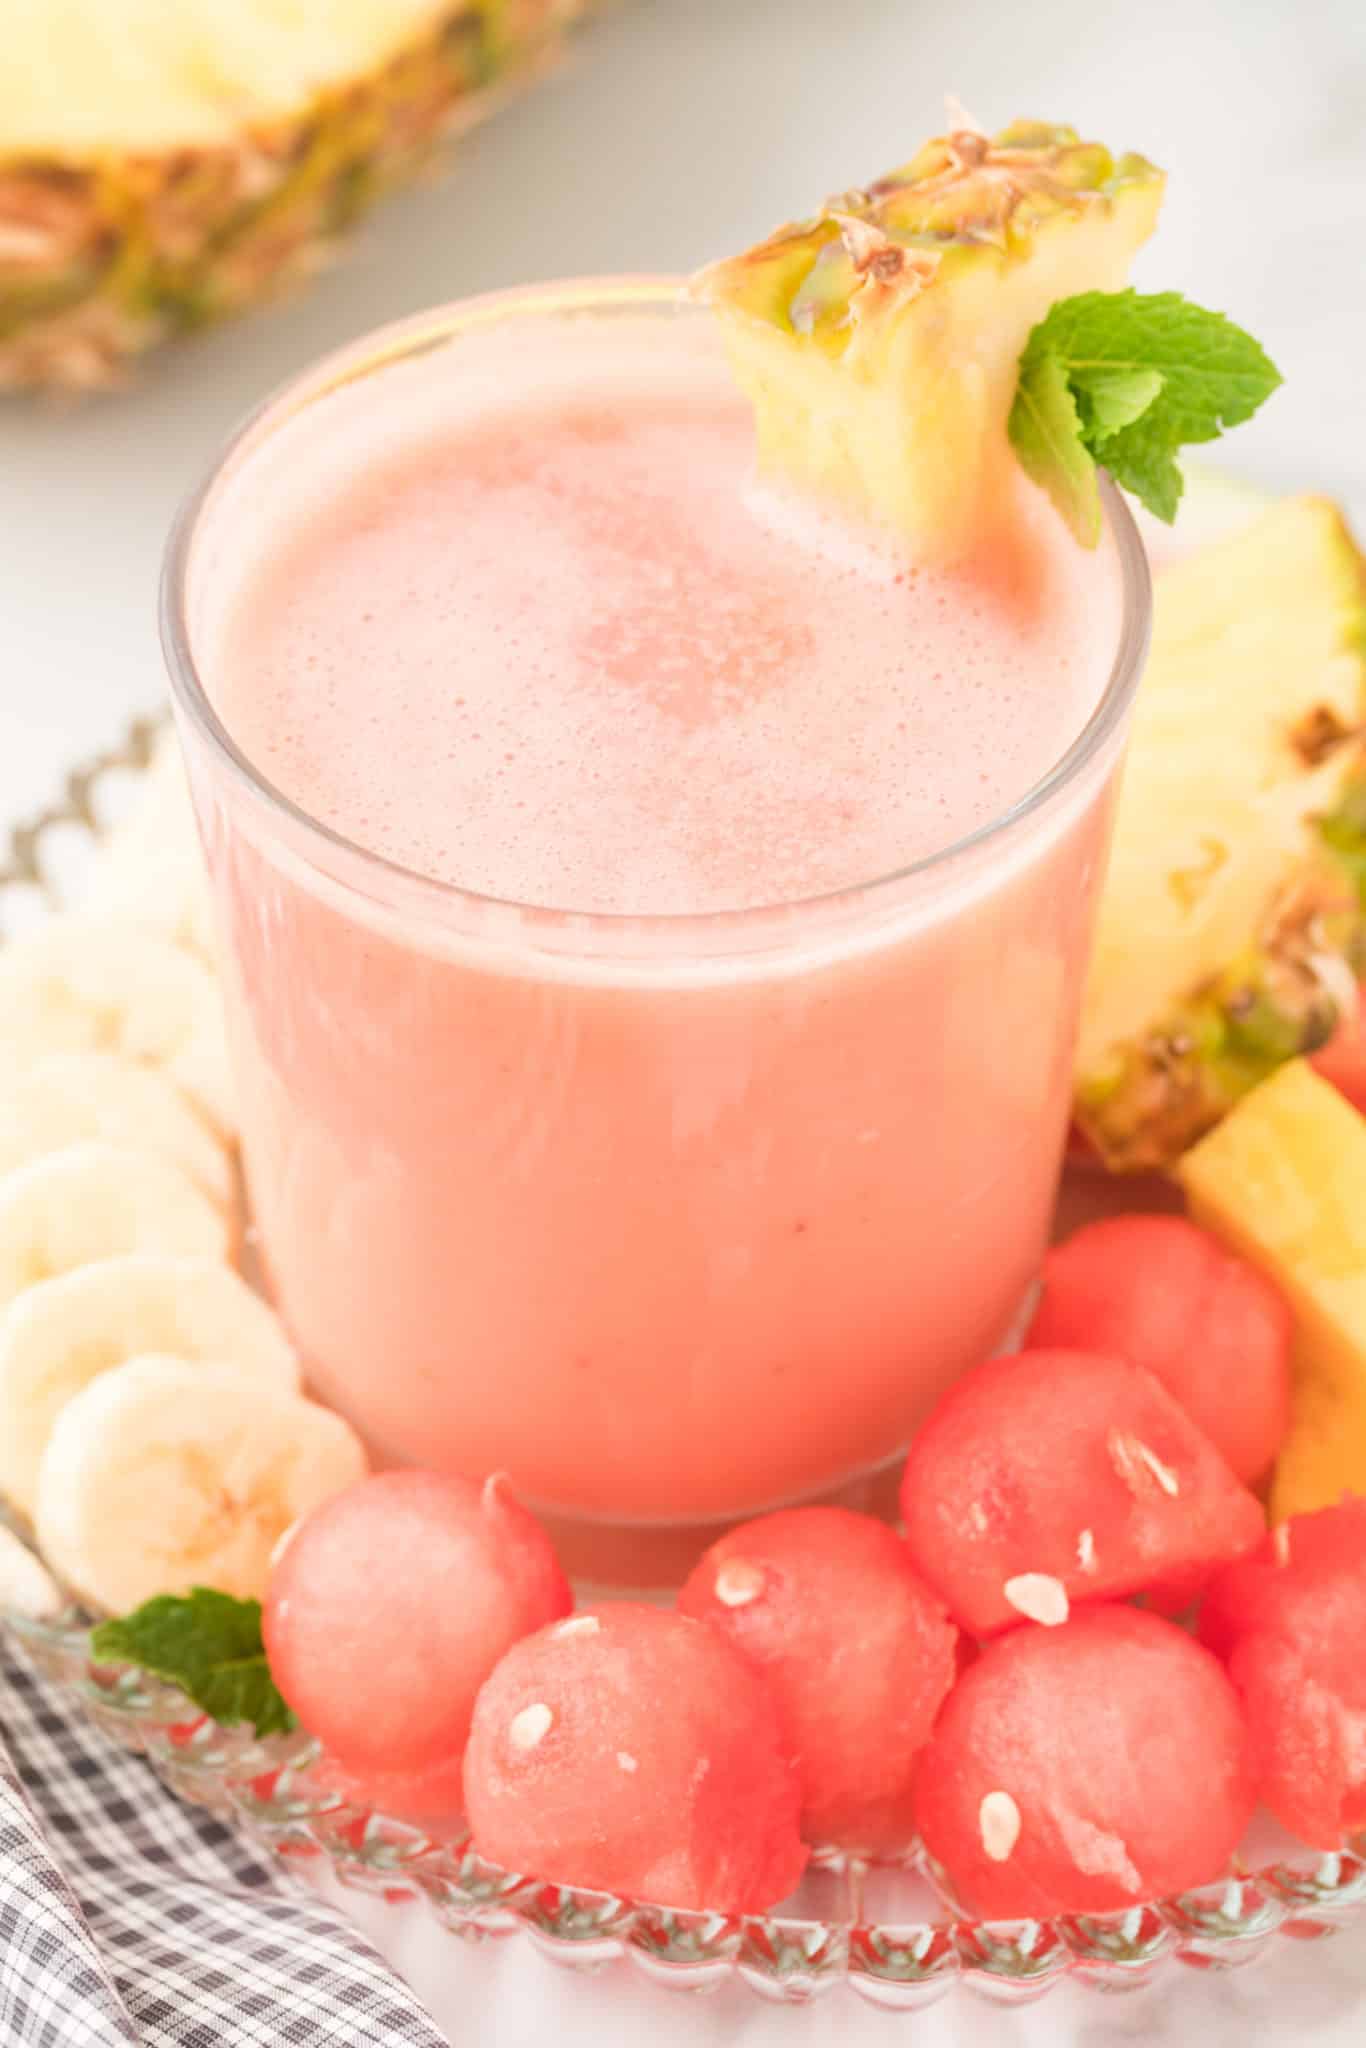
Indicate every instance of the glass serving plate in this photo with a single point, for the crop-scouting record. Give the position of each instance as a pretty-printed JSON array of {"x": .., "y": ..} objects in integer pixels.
[{"x": 892, "y": 1934}]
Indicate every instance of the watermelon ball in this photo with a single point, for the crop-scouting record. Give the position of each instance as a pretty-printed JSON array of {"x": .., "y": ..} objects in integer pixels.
[
  {"x": 1164, "y": 1294},
  {"x": 858, "y": 1653},
  {"x": 1290, "y": 1621},
  {"x": 631, "y": 1750},
  {"x": 1054, "y": 1477},
  {"x": 1084, "y": 1768},
  {"x": 392, "y": 1602},
  {"x": 432, "y": 1799}
]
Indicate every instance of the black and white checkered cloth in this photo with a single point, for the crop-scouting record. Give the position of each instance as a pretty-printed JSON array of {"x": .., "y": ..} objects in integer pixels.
[{"x": 131, "y": 1920}]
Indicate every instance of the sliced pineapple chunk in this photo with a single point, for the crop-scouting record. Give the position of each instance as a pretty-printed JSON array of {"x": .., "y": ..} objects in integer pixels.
[
  {"x": 165, "y": 161},
  {"x": 1231, "y": 924},
  {"x": 1283, "y": 1182},
  {"x": 880, "y": 340},
  {"x": 91, "y": 75}
]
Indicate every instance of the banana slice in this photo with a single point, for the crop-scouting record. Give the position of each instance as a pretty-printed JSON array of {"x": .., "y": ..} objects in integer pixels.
[
  {"x": 56, "y": 1337},
  {"x": 161, "y": 891},
  {"x": 162, "y": 1476},
  {"x": 97, "y": 1201},
  {"x": 150, "y": 870},
  {"x": 77, "y": 985},
  {"x": 72, "y": 1096},
  {"x": 25, "y": 1588}
]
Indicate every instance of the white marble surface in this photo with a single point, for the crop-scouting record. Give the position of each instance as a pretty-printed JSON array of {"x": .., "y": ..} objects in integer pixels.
[{"x": 681, "y": 126}]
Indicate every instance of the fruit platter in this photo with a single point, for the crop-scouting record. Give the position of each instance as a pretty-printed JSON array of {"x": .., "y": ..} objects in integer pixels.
[
  {"x": 881, "y": 1925},
  {"x": 1085, "y": 1697}
]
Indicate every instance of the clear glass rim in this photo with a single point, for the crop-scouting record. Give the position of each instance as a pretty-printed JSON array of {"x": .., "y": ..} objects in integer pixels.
[{"x": 445, "y": 901}]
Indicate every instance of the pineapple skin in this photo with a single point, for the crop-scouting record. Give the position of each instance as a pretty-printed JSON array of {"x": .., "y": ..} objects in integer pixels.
[
  {"x": 103, "y": 258},
  {"x": 1281, "y": 1182},
  {"x": 879, "y": 341},
  {"x": 1145, "y": 1097}
]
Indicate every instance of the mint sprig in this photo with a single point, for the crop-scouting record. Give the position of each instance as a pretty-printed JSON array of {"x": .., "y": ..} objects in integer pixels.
[
  {"x": 208, "y": 1644},
  {"x": 1121, "y": 381}
]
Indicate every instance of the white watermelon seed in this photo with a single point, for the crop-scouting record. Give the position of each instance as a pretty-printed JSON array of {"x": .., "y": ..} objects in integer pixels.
[
  {"x": 577, "y": 1625},
  {"x": 1039, "y": 1597},
  {"x": 738, "y": 1582},
  {"x": 998, "y": 1822},
  {"x": 531, "y": 1726},
  {"x": 1133, "y": 1458}
]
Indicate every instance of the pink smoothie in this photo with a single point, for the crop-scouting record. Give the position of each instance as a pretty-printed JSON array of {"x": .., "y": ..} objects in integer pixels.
[{"x": 673, "y": 1215}]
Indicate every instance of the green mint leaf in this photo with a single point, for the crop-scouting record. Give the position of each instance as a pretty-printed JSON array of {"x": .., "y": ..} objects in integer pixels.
[
  {"x": 1109, "y": 399},
  {"x": 208, "y": 1644},
  {"x": 1046, "y": 431},
  {"x": 1147, "y": 375},
  {"x": 1142, "y": 458}
]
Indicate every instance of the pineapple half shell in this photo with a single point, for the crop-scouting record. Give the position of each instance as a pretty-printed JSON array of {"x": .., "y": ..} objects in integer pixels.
[
  {"x": 165, "y": 162},
  {"x": 879, "y": 341},
  {"x": 1232, "y": 928}
]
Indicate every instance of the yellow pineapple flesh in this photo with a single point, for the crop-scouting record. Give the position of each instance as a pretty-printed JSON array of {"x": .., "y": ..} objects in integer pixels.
[
  {"x": 1231, "y": 927},
  {"x": 1283, "y": 1182},
  {"x": 163, "y": 162},
  {"x": 879, "y": 341}
]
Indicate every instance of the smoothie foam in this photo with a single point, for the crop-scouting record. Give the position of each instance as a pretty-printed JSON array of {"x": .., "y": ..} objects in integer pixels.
[{"x": 550, "y": 643}]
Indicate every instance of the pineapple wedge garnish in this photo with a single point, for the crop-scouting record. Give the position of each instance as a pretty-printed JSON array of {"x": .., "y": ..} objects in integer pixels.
[
  {"x": 879, "y": 341},
  {"x": 166, "y": 161},
  {"x": 1283, "y": 1182},
  {"x": 1231, "y": 929}
]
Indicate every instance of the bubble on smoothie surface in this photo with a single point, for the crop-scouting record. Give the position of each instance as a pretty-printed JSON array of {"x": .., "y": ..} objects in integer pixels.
[
  {"x": 1291, "y": 1623},
  {"x": 1085, "y": 1768},
  {"x": 391, "y": 1605},
  {"x": 644, "y": 1758},
  {"x": 857, "y": 1651},
  {"x": 1055, "y": 1477}
]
